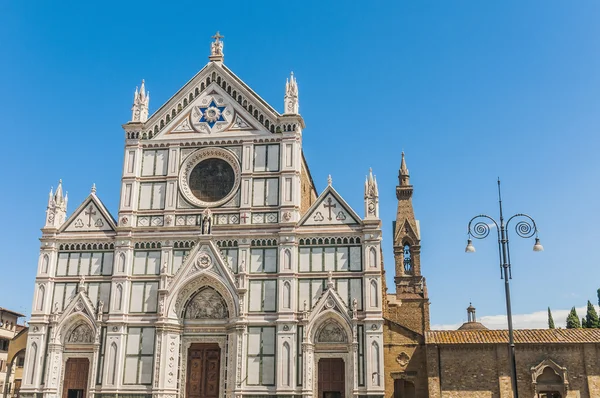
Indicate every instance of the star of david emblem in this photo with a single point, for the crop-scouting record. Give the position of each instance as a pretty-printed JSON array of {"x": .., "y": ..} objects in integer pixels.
[{"x": 211, "y": 114}]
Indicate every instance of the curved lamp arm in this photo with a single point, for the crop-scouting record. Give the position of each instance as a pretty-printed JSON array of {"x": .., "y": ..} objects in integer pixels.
[{"x": 480, "y": 230}]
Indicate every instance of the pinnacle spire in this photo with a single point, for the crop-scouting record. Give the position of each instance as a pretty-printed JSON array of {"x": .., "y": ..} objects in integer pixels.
[
  {"x": 93, "y": 188},
  {"x": 371, "y": 196},
  {"x": 291, "y": 105},
  {"x": 141, "y": 102},
  {"x": 58, "y": 196},
  {"x": 57, "y": 207}
]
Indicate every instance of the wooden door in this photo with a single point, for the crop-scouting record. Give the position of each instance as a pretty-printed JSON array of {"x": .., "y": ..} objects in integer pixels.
[
  {"x": 331, "y": 378},
  {"x": 204, "y": 362},
  {"x": 76, "y": 378}
]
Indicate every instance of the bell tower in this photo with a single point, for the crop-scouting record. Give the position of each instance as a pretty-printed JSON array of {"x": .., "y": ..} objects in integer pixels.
[{"x": 411, "y": 289}]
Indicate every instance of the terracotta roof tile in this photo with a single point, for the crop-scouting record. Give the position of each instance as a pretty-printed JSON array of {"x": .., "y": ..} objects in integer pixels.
[{"x": 522, "y": 336}]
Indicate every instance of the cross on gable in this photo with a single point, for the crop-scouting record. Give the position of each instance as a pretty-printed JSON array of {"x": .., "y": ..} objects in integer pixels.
[
  {"x": 330, "y": 206},
  {"x": 90, "y": 212}
]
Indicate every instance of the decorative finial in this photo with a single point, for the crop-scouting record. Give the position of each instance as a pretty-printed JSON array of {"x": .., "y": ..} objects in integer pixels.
[
  {"x": 329, "y": 180},
  {"x": 94, "y": 188},
  {"x": 330, "y": 283},
  {"x": 216, "y": 48}
]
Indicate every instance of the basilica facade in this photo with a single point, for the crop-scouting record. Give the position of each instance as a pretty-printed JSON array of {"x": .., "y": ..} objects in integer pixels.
[{"x": 224, "y": 274}]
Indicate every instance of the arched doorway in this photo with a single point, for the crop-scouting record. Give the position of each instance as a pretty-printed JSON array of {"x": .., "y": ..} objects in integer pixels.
[
  {"x": 332, "y": 359},
  {"x": 204, "y": 356}
]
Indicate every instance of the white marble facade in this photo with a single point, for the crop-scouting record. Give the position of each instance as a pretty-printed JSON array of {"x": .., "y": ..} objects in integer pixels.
[{"x": 221, "y": 239}]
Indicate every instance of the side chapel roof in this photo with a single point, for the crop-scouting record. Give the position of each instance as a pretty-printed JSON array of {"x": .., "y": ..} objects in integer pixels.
[{"x": 522, "y": 336}]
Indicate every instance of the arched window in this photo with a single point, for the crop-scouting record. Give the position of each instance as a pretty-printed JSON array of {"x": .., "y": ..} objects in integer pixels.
[
  {"x": 119, "y": 298},
  {"x": 286, "y": 295},
  {"x": 287, "y": 259},
  {"x": 375, "y": 361},
  {"x": 45, "y": 262},
  {"x": 121, "y": 262},
  {"x": 373, "y": 293},
  {"x": 408, "y": 266},
  {"x": 32, "y": 362},
  {"x": 287, "y": 360},
  {"x": 40, "y": 298},
  {"x": 372, "y": 258},
  {"x": 112, "y": 364}
]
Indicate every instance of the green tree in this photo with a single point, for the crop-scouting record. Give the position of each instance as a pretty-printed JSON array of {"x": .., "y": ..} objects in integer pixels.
[
  {"x": 598, "y": 293},
  {"x": 583, "y": 323},
  {"x": 591, "y": 318},
  {"x": 550, "y": 320},
  {"x": 573, "y": 320}
]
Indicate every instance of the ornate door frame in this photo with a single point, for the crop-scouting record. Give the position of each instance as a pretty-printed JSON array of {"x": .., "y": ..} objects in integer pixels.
[
  {"x": 90, "y": 385},
  {"x": 226, "y": 350},
  {"x": 348, "y": 359}
]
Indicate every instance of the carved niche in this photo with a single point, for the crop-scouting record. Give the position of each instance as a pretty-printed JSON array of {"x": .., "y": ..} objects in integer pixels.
[
  {"x": 331, "y": 332},
  {"x": 206, "y": 304},
  {"x": 81, "y": 333}
]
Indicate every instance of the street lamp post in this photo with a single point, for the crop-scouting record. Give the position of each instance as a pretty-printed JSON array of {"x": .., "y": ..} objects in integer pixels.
[{"x": 479, "y": 228}]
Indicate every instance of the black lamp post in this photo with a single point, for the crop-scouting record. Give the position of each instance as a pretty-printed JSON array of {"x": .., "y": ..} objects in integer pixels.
[{"x": 525, "y": 228}]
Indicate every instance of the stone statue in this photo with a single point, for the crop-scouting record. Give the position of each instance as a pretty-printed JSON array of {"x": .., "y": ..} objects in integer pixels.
[{"x": 100, "y": 308}]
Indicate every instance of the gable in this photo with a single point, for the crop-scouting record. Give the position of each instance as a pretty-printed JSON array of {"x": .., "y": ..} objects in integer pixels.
[
  {"x": 90, "y": 216},
  {"x": 213, "y": 113},
  {"x": 330, "y": 209},
  {"x": 247, "y": 111}
]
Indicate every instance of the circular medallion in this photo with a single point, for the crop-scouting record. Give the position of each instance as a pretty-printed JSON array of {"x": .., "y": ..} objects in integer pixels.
[
  {"x": 210, "y": 177},
  {"x": 204, "y": 260}
]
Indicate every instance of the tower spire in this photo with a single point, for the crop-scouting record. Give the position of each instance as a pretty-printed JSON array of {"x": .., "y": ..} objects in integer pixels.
[
  {"x": 403, "y": 175},
  {"x": 404, "y": 189},
  {"x": 290, "y": 101}
]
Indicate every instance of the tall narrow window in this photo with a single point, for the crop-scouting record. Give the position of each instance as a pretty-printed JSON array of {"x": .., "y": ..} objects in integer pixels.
[
  {"x": 261, "y": 356},
  {"x": 408, "y": 268},
  {"x": 139, "y": 356}
]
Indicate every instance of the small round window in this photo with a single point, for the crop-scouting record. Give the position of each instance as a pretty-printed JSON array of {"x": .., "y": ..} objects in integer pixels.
[{"x": 212, "y": 180}]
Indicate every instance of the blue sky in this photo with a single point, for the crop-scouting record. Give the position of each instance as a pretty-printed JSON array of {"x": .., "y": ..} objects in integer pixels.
[{"x": 470, "y": 90}]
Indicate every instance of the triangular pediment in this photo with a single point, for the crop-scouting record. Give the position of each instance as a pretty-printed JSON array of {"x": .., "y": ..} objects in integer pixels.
[
  {"x": 214, "y": 103},
  {"x": 90, "y": 216},
  {"x": 330, "y": 300},
  {"x": 205, "y": 258},
  {"x": 80, "y": 305},
  {"x": 407, "y": 229},
  {"x": 330, "y": 209},
  {"x": 212, "y": 113}
]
